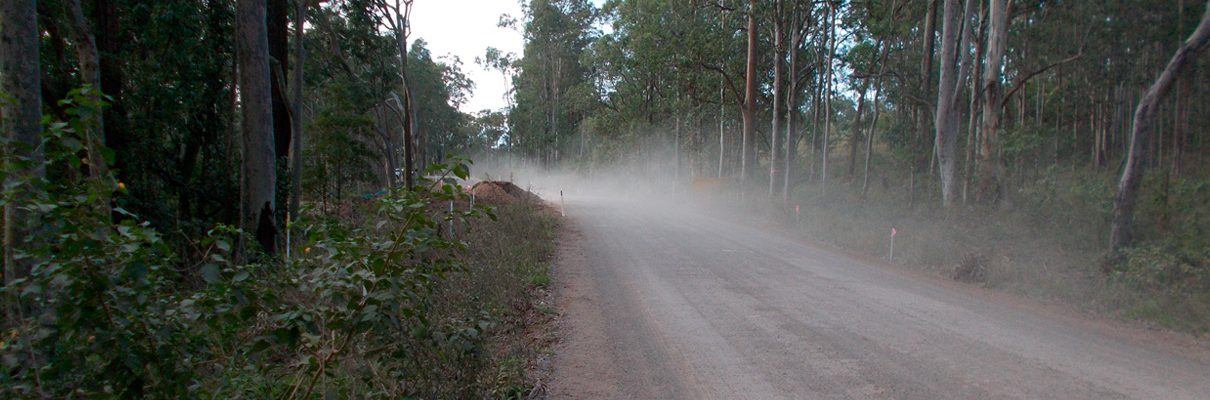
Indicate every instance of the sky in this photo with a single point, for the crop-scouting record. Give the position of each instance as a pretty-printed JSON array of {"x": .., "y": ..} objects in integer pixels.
[{"x": 466, "y": 28}]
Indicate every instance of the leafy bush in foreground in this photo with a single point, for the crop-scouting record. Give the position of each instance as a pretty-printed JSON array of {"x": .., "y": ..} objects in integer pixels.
[{"x": 108, "y": 310}]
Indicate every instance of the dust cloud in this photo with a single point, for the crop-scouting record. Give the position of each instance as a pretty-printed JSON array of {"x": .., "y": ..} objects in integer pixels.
[{"x": 652, "y": 174}]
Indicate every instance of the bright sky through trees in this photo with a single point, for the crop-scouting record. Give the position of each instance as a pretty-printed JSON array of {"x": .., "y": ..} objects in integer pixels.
[{"x": 466, "y": 28}]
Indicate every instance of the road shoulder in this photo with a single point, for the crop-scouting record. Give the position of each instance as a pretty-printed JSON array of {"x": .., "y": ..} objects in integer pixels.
[{"x": 583, "y": 365}]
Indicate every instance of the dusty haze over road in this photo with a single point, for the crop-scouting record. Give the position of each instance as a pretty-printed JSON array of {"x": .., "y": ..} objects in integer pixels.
[{"x": 665, "y": 302}]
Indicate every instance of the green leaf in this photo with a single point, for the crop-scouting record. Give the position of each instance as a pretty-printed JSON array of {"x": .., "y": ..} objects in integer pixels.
[
  {"x": 210, "y": 273},
  {"x": 462, "y": 171}
]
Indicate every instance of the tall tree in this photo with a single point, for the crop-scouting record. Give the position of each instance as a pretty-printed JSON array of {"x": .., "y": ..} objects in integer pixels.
[
  {"x": 748, "y": 147},
  {"x": 1144, "y": 117},
  {"x": 277, "y": 25},
  {"x": 855, "y": 131},
  {"x": 869, "y": 139},
  {"x": 779, "y": 56},
  {"x": 800, "y": 26},
  {"x": 106, "y": 33},
  {"x": 955, "y": 38},
  {"x": 258, "y": 174},
  {"x": 990, "y": 168},
  {"x": 830, "y": 69},
  {"x": 884, "y": 49},
  {"x": 90, "y": 73},
  {"x": 20, "y": 118},
  {"x": 396, "y": 15},
  {"x": 553, "y": 89},
  {"x": 926, "y": 87},
  {"x": 296, "y": 110}
]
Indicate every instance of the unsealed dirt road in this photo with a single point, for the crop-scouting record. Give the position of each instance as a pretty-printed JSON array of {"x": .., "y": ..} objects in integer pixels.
[{"x": 663, "y": 303}]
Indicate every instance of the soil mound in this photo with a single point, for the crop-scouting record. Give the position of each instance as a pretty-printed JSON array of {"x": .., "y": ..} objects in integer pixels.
[{"x": 502, "y": 192}]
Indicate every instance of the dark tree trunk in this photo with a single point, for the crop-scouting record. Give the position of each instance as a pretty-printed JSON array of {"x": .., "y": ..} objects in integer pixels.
[
  {"x": 798, "y": 32},
  {"x": 258, "y": 174},
  {"x": 108, "y": 38},
  {"x": 855, "y": 132},
  {"x": 926, "y": 88},
  {"x": 869, "y": 139},
  {"x": 20, "y": 120},
  {"x": 779, "y": 56},
  {"x": 296, "y": 116},
  {"x": 86, "y": 53}
]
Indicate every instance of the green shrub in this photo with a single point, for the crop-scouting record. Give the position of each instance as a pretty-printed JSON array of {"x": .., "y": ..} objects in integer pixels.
[
  {"x": 1166, "y": 269},
  {"x": 108, "y": 310}
]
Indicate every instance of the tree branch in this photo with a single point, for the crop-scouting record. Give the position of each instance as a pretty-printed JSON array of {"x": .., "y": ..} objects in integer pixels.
[
  {"x": 1021, "y": 83},
  {"x": 719, "y": 5},
  {"x": 730, "y": 83},
  {"x": 802, "y": 74}
]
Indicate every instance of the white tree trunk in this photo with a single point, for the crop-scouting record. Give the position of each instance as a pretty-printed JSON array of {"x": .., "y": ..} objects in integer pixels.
[
  {"x": 1144, "y": 116},
  {"x": 955, "y": 38},
  {"x": 748, "y": 147},
  {"x": 990, "y": 168},
  {"x": 827, "y": 125},
  {"x": 722, "y": 147}
]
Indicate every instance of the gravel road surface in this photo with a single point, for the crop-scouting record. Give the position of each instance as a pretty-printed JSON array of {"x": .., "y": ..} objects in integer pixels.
[{"x": 668, "y": 303}]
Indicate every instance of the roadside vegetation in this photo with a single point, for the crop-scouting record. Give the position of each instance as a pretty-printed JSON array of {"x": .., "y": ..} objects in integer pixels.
[
  {"x": 167, "y": 234},
  {"x": 1050, "y": 247},
  {"x": 398, "y": 296}
]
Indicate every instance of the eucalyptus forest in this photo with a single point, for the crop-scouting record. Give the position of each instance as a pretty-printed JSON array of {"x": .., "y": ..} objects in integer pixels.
[{"x": 272, "y": 198}]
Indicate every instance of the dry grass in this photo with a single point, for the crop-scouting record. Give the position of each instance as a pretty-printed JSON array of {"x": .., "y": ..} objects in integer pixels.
[{"x": 505, "y": 289}]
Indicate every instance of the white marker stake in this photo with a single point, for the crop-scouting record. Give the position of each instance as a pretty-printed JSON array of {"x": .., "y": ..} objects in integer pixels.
[
  {"x": 892, "y": 255},
  {"x": 451, "y": 218},
  {"x": 797, "y": 214},
  {"x": 562, "y": 209}
]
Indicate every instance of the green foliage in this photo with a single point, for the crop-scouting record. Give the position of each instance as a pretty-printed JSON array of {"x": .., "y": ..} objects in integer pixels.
[
  {"x": 1165, "y": 283},
  {"x": 551, "y": 89},
  {"x": 1164, "y": 269},
  {"x": 365, "y": 290},
  {"x": 358, "y": 91},
  {"x": 108, "y": 310},
  {"x": 1060, "y": 199},
  {"x": 340, "y": 162},
  {"x": 169, "y": 126},
  {"x": 438, "y": 88},
  {"x": 98, "y": 311}
]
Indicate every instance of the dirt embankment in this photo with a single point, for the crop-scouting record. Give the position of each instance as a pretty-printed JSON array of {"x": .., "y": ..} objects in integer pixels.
[{"x": 502, "y": 192}]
